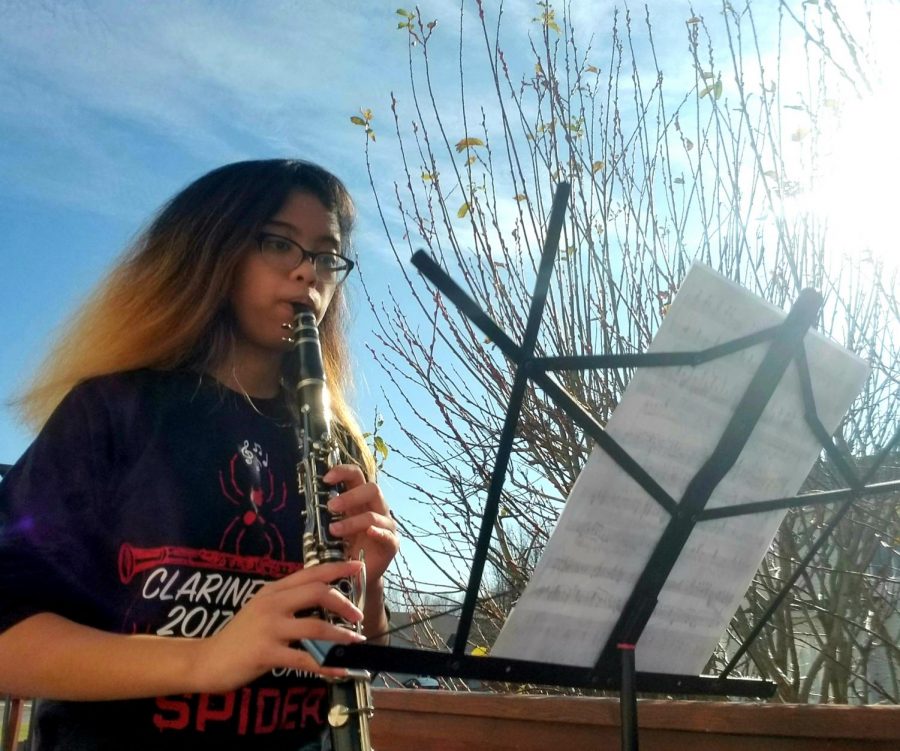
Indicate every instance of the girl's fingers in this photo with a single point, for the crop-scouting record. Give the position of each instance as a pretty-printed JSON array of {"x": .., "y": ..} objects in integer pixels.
[
  {"x": 324, "y": 572},
  {"x": 351, "y": 525},
  {"x": 348, "y": 475},
  {"x": 289, "y": 657},
  {"x": 364, "y": 497},
  {"x": 295, "y": 629},
  {"x": 317, "y": 595}
]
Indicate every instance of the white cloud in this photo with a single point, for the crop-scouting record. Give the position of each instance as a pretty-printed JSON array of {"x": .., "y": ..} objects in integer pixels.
[{"x": 115, "y": 91}]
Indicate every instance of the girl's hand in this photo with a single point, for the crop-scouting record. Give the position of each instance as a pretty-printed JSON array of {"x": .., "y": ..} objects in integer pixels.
[
  {"x": 260, "y": 636},
  {"x": 367, "y": 524}
]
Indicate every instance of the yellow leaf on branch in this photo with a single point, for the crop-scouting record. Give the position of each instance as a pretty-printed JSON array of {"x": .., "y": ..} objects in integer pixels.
[{"x": 468, "y": 143}]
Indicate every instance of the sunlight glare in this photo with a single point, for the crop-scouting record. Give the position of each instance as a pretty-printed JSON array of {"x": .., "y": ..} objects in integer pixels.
[{"x": 856, "y": 192}]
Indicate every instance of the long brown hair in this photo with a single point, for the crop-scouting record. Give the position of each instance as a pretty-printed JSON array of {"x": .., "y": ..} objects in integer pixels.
[{"x": 164, "y": 305}]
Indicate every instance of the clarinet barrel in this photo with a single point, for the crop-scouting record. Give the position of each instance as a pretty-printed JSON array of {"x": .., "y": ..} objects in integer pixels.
[{"x": 350, "y": 699}]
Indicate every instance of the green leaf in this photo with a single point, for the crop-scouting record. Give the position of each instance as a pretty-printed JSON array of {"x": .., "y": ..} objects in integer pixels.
[
  {"x": 714, "y": 88},
  {"x": 520, "y": 197},
  {"x": 468, "y": 143},
  {"x": 427, "y": 177},
  {"x": 381, "y": 447},
  {"x": 405, "y": 13},
  {"x": 357, "y": 120},
  {"x": 597, "y": 166},
  {"x": 463, "y": 210}
]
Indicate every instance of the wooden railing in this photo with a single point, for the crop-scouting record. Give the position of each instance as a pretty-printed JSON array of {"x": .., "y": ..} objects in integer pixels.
[
  {"x": 411, "y": 720},
  {"x": 13, "y": 711},
  {"x": 453, "y": 721},
  {"x": 12, "y": 707}
]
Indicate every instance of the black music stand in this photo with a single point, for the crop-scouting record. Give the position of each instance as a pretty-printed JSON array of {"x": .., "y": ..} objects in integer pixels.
[{"x": 615, "y": 666}]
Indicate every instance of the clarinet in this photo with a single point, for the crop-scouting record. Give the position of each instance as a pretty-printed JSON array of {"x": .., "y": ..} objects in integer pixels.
[{"x": 350, "y": 699}]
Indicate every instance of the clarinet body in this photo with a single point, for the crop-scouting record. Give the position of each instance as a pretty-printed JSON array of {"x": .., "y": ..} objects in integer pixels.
[{"x": 350, "y": 699}]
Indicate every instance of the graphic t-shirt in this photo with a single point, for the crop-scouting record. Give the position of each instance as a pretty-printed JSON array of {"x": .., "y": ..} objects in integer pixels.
[{"x": 158, "y": 503}]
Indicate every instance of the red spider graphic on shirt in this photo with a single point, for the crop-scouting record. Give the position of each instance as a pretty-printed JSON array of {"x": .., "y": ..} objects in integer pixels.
[{"x": 253, "y": 489}]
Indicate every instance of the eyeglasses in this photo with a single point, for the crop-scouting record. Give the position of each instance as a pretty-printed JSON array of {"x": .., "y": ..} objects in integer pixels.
[{"x": 282, "y": 253}]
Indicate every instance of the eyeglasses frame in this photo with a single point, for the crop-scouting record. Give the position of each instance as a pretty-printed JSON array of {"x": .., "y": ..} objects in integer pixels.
[{"x": 310, "y": 255}]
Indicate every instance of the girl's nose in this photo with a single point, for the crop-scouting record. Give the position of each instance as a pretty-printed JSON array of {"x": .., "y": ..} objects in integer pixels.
[{"x": 305, "y": 272}]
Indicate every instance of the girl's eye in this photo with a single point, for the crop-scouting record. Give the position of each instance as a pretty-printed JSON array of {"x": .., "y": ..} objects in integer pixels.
[
  {"x": 273, "y": 244},
  {"x": 329, "y": 261}
]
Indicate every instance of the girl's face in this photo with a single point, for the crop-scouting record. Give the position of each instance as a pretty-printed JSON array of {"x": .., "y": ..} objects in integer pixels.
[{"x": 264, "y": 292}]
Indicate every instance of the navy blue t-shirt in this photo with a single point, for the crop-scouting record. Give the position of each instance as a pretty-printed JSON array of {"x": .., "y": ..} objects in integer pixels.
[{"x": 158, "y": 503}]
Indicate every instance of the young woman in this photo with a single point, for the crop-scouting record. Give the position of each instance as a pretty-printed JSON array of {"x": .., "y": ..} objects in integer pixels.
[{"x": 151, "y": 590}]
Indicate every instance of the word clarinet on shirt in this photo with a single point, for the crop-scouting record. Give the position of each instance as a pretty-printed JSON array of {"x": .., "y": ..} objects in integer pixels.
[
  {"x": 195, "y": 588},
  {"x": 202, "y": 603}
]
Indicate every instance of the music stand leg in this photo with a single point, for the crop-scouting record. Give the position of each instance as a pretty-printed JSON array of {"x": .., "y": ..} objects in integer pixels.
[{"x": 628, "y": 699}]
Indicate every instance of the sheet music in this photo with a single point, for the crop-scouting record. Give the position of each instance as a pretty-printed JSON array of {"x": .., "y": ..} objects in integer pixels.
[{"x": 670, "y": 419}]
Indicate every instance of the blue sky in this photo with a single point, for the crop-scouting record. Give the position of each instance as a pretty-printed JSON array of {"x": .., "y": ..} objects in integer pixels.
[{"x": 107, "y": 108}]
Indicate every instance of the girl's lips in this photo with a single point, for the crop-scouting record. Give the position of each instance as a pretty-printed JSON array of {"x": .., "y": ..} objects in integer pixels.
[
  {"x": 292, "y": 307},
  {"x": 305, "y": 304}
]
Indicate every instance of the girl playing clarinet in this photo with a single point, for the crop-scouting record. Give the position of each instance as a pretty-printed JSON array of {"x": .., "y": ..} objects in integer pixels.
[{"x": 152, "y": 593}]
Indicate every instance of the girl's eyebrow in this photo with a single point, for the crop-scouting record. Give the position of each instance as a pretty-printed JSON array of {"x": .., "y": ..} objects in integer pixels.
[{"x": 293, "y": 232}]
